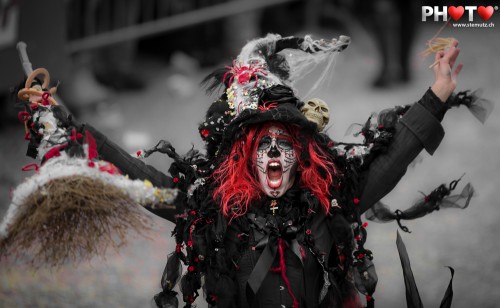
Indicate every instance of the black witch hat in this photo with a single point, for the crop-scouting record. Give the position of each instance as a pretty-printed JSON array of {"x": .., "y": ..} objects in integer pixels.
[{"x": 258, "y": 87}]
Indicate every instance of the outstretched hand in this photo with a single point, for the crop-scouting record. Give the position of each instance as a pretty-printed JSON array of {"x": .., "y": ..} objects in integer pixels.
[{"x": 446, "y": 77}]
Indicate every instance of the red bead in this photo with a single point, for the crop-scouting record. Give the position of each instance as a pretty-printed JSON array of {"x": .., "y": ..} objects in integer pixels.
[
  {"x": 138, "y": 153},
  {"x": 358, "y": 238},
  {"x": 361, "y": 255},
  {"x": 368, "y": 298},
  {"x": 364, "y": 225},
  {"x": 176, "y": 180},
  {"x": 191, "y": 268},
  {"x": 308, "y": 231},
  {"x": 342, "y": 258},
  {"x": 192, "y": 213},
  {"x": 91, "y": 164},
  {"x": 356, "y": 201},
  {"x": 190, "y": 243},
  {"x": 204, "y": 133}
]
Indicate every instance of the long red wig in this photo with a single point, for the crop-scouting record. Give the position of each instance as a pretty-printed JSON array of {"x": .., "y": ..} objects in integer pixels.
[{"x": 236, "y": 178}]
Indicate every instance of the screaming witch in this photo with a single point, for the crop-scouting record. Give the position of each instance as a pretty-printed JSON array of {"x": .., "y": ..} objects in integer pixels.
[{"x": 270, "y": 215}]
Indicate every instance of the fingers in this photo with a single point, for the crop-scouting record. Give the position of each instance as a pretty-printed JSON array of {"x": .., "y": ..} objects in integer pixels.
[
  {"x": 452, "y": 53},
  {"x": 438, "y": 55},
  {"x": 457, "y": 71},
  {"x": 454, "y": 56},
  {"x": 435, "y": 66},
  {"x": 446, "y": 60}
]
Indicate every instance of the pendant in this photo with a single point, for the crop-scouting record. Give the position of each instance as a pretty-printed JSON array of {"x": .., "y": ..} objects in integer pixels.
[{"x": 274, "y": 206}]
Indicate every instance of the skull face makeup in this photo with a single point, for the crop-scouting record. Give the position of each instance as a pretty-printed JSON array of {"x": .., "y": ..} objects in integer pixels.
[
  {"x": 276, "y": 162},
  {"x": 317, "y": 111}
]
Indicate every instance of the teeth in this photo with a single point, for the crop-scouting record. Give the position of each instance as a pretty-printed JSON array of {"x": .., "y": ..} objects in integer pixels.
[{"x": 274, "y": 164}]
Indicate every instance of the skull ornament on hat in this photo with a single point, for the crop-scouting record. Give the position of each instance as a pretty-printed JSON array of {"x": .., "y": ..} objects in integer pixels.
[
  {"x": 317, "y": 111},
  {"x": 259, "y": 86}
]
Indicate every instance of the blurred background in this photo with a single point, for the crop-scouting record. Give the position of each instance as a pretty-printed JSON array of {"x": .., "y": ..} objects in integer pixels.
[{"x": 132, "y": 69}]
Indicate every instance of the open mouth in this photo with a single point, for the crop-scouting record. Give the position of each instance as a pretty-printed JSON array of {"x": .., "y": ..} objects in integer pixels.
[{"x": 274, "y": 174}]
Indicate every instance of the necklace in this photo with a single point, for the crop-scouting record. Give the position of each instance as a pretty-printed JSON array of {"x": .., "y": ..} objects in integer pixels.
[{"x": 274, "y": 206}]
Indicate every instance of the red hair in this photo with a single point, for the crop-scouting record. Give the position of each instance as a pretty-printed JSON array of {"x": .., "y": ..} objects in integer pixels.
[{"x": 238, "y": 185}]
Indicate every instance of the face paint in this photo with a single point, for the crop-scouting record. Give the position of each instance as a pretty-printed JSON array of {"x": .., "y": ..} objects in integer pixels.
[{"x": 276, "y": 162}]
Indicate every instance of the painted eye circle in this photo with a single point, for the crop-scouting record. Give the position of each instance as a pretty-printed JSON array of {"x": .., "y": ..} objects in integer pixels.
[
  {"x": 284, "y": 144},
  {"x": 264, "y": 143}
]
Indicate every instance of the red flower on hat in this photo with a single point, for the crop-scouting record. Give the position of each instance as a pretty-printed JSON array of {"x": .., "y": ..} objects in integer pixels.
[{"x": 244, "y": 73}]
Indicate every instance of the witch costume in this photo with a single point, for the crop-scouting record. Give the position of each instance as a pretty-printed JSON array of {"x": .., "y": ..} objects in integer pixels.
[{"x": 270, "y": 215}]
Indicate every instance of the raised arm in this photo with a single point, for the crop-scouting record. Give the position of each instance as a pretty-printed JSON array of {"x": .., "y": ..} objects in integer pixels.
[{"x": 419, "y": 128}]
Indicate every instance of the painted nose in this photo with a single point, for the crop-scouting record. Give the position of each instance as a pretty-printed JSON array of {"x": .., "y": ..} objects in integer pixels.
[{"x": 273, "y": 152}]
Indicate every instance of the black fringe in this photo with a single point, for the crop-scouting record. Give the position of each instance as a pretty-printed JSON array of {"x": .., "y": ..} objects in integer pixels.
[{"x": 214, "y": 81}]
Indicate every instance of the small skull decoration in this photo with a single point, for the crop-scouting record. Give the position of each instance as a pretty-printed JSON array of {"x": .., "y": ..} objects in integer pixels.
[{"x": 317, "y": 111}]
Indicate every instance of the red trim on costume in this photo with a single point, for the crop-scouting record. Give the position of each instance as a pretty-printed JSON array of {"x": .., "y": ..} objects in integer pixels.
[
  {"x": 89, "y": 139},
  {"x": 281, "y": 250},
  {"x": 54, "y": 152},
  {"x": 30, "y": 167}
]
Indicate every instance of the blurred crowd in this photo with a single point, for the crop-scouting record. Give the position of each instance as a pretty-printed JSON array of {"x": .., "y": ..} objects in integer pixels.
[{"x": 96, "y": 45}]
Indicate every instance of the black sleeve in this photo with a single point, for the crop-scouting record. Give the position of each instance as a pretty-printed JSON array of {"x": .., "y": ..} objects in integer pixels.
[
  {"x": 419, "y": 129},
  {"x": 133, "y": 167}
]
